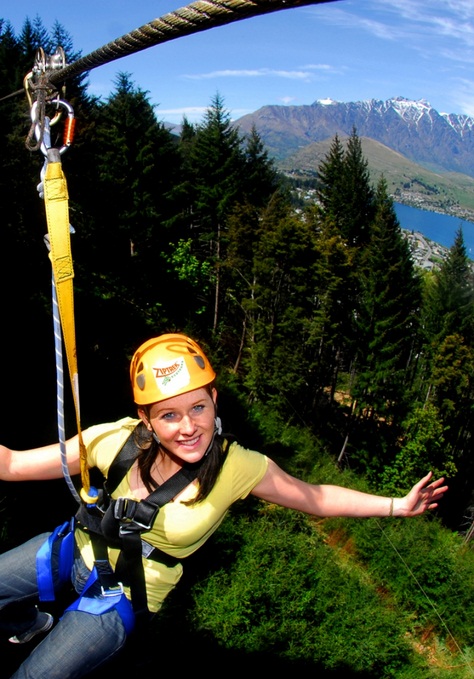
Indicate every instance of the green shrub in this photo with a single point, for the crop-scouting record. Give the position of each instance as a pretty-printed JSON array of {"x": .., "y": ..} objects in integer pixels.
[
  {"x": 427, "y": 569},
  {"x": 286, "y": 592}
]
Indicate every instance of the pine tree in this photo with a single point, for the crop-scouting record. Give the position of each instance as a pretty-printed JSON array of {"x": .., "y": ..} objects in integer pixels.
[
  {"x": 357, "y": 196},
  {"x": 331, "y": 323},
  {"x": 277, "y": 366},
  {"x": 120, "y": 227},
  {"x": 243, "y": 235},
  {"x": 344, "y": 192},
  {"x": 346, "y": 208},
  {"x": 260, "y": 177},
  {"x": 216, "y": 165},
  {"x": 331, "y": 183},
  {"x": 183, "y": 193},
  {"x": 387, "y": 320},
  {"x": 449, "y": 304}
]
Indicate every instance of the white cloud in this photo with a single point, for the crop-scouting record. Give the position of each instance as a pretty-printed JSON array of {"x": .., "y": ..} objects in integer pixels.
[
  {"x": 193, "y": 114},
  {"x": 301, "y": 75},
  {"x": 420, "y": 22},
  {"x": 464, "y": 96}
]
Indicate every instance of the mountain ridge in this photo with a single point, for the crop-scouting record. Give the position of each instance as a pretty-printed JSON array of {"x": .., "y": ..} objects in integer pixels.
[
  {"x": 441, "y": 141},
  {"x": 426, "y": 157}
]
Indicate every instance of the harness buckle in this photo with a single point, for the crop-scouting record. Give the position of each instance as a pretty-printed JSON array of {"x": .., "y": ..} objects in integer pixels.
[
  {"x": 134, "y": 516},
  {"x": 112, "y": 591},
  {"x": 132, "y": 527},
  {"x": 124, "y": 509}
]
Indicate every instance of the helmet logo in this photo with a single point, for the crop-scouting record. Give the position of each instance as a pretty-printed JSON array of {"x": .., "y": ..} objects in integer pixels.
[{"x": 171, "y": 376}]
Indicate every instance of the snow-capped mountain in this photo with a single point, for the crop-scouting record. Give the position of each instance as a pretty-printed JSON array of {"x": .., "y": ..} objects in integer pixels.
[{"x": 439, "y": 141}]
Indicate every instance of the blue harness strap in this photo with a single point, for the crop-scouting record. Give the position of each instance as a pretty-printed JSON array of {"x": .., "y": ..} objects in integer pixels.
[
  {"x": 110, "y": 598},
  {"x": 44, "y": 571},
  {"x": 111, "y": 593}
]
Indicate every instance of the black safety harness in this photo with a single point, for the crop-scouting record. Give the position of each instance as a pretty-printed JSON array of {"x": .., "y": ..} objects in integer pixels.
[{"x": 121, "y": 522}]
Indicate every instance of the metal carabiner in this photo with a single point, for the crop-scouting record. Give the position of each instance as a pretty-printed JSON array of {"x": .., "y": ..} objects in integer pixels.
[{"x": 44, "y": 134}]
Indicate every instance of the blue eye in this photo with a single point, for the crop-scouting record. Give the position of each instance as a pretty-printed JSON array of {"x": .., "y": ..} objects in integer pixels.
[{"x": 198, "y": 409}]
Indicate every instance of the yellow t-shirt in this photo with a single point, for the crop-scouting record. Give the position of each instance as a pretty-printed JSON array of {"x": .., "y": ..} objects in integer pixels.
[{"x": 178, "y": 529}]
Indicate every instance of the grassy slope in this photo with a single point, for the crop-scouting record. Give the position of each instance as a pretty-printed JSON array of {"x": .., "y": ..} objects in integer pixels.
[{"x": 409, "y": 183}]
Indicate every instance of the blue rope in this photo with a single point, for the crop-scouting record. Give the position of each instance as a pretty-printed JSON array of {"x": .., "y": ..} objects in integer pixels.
[{"x": 60, "y": 393}]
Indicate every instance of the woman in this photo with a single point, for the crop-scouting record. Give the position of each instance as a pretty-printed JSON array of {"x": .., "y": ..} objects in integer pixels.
[{"x": 177, "y": 432}]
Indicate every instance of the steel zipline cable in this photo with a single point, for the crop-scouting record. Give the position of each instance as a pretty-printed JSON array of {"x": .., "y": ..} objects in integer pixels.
[{"x": 196, "y": 17}]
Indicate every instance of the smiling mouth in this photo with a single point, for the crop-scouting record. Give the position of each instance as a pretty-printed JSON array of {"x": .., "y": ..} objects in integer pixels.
[{"x": 190, "y": 442}]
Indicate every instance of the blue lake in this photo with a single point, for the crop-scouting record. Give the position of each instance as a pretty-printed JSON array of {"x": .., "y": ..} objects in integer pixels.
[{"x": 437, "y": 227}]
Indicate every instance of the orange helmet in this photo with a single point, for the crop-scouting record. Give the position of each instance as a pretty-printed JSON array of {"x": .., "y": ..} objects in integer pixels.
[{"x": 167, "y": 366}]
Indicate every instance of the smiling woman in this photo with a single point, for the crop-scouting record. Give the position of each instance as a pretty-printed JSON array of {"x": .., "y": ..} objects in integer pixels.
[{"x": 171, "y": 477}]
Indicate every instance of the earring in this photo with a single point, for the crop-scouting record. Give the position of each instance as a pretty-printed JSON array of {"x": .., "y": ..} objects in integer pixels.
[
  {"x": 218, "y": 425},
  {"x": 156, "y": 438}
]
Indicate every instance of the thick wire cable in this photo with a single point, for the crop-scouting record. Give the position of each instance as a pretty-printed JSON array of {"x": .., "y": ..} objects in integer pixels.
[{"x": 196, "y": 17}]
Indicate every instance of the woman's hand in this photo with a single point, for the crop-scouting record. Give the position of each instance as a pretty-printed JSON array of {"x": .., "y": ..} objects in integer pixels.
[{"x": 422, "y": 497}]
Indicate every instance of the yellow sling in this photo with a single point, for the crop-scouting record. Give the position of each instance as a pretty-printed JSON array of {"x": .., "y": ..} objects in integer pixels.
[{"x": 57, "y": 216}]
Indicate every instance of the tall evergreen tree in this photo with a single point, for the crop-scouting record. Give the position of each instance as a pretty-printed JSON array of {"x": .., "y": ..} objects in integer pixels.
[
  {"x": 182, "y": 193},
  {"x": 331, "y": 322},
  {"x": 357, "y": 197},
  {"x": 346, "y": 207},
  {"x": 135, "y": 167},
  {"x": 121, "y": 243},
  {"x": 259, "y": 173},
  {"x": 344, "y": 190},
  {"x": 276, "y": 363},
  {"x": 243, "y": 234},
  {"x": 387, "y": 320},
  {"x": 331, "y": 184},
  {"x": 449, "y": 304},
  {"x": 216, "y": 169}
]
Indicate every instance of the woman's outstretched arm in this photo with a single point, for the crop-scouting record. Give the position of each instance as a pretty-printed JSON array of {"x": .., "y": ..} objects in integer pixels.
[{"x": 324, "y": 500}]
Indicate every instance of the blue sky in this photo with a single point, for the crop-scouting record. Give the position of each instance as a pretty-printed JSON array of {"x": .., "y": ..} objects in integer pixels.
[{"x": 347, "y": 50}]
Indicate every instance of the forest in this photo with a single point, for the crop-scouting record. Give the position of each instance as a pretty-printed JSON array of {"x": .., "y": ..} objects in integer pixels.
[{"x": 335, "y": 355}]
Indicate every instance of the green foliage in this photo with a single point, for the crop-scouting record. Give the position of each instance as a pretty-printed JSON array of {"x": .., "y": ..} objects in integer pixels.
[
  {"x": 287, "y": 592},
  {"x": 423, "y": 448},
  {"x": 387, "y": 316},
  {"x": 198, "y": 275},
  {"x": 449, "y": 299},
  {"x": 427, "y": 569}
]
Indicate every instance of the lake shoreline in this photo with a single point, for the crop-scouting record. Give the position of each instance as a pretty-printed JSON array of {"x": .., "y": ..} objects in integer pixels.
[{"x": 435, "y": 226}]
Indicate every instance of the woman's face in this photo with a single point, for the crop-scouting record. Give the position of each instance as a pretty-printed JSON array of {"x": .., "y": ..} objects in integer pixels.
[{"x": 184, "y": 424}]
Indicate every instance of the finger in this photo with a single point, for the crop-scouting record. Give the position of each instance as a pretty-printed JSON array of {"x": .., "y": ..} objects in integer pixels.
[
  {"x": 422, "y": 482},
  {"x": 437, "y": 483}
]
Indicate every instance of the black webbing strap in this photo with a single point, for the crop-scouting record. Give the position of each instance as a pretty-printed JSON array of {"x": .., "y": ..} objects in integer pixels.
[
  {"x": 130, "y": 561},
  {"x": 122, "y": 522},
  {"x": 121, "y": 464},
  {"x": 107, "y": 581},
  {"x": 170, "y": 488}
]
